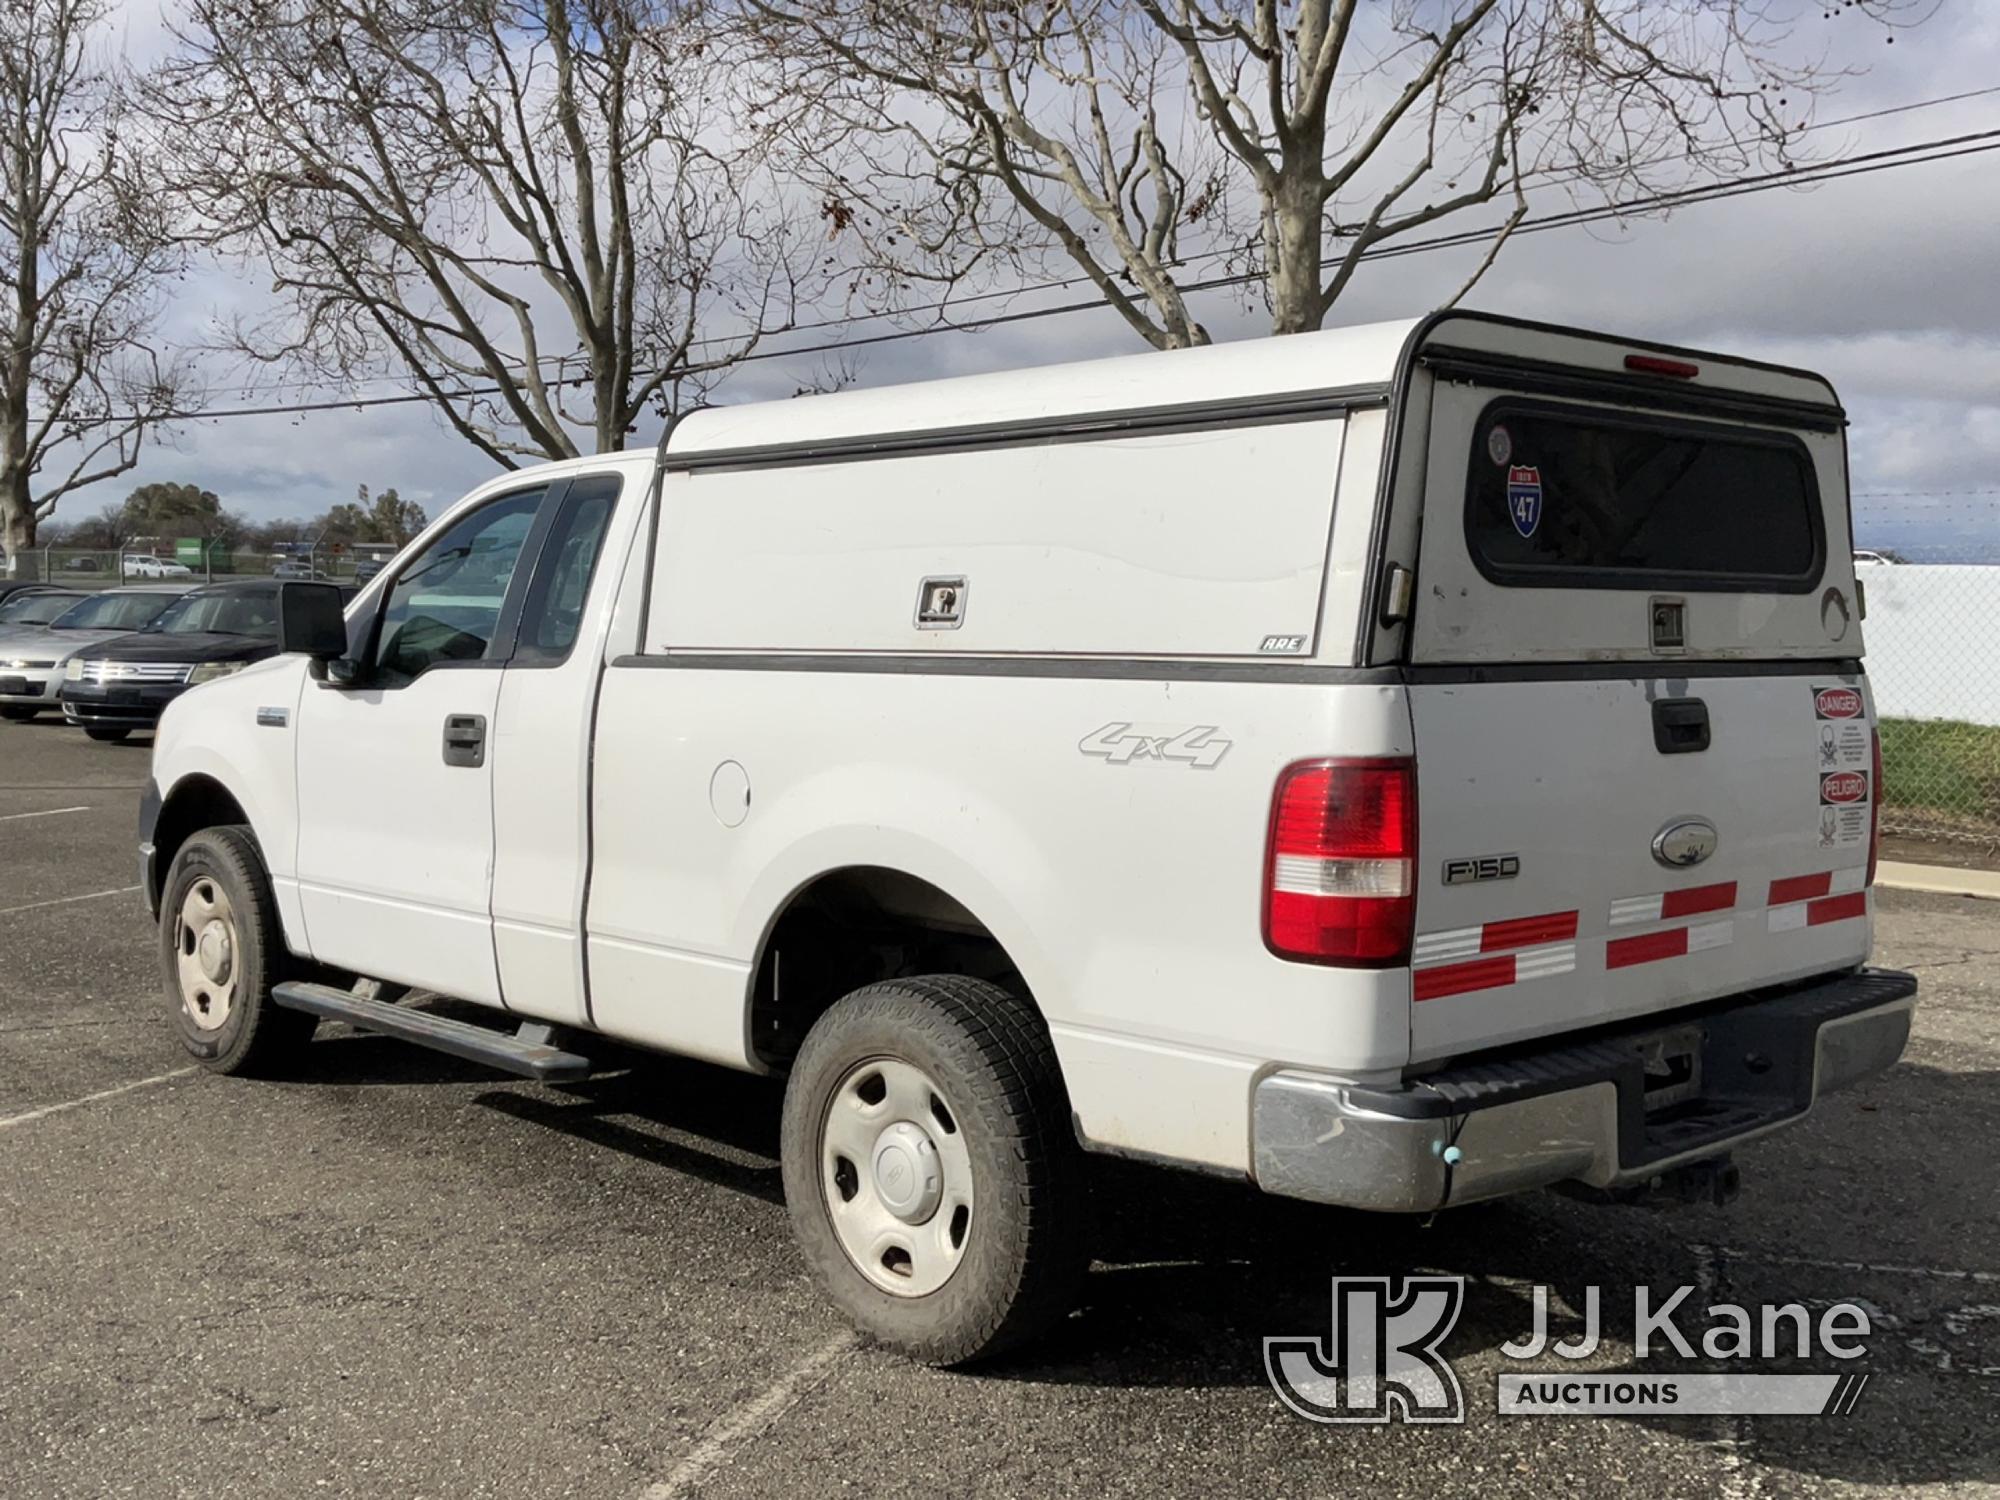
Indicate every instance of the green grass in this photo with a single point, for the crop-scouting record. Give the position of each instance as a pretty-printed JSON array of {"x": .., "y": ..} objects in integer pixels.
[{"x": 1942, "y": 765}]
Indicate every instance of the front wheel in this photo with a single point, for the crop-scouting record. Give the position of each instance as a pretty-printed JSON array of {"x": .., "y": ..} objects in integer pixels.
[
  {"x": 221, "y": 950},
  {"x": 111, "y": 734},
  {"x": 932, "y": 1177}
]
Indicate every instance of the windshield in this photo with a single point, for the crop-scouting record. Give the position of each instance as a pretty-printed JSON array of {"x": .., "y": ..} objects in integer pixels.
[
  {"x": 113, "y": 612},
  {"x": 237, "y": 612},
  {"x": 35, "y": 609}
]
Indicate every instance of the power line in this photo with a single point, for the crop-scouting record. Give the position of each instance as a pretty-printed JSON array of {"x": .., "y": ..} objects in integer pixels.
[
  {"x": 1917, "y": 154},
  {"x": 1064, "y": 283}
]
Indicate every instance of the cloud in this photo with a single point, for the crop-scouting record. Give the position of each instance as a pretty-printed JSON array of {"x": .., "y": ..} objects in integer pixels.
[{"x": 1886, "y": 283}]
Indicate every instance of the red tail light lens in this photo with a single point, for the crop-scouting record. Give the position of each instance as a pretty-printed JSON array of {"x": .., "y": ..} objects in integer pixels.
[
  {"x": 1340, "y": 875},
  {"x": 1875, "y": 807}
]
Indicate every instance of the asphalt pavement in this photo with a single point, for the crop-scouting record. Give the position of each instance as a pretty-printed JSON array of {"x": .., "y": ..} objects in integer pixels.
[{"x": 403, "y": 1276}]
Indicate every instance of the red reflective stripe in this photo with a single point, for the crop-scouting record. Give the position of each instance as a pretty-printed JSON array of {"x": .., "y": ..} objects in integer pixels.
[
  {"x": 1837, "y": 908},
  {"x": 1701, "y": 898},
  {"x": 1526, "y": 932},
  {"x": 1800, "y": 888},
  {"x": 1456, "y": 979},
  {"x": 1622, "y": 953}
]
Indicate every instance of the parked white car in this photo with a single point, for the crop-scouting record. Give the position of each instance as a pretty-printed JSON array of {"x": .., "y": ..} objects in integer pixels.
[
  {"x": 140, "y": 565},
  {"x": 1394, "y": 766}
]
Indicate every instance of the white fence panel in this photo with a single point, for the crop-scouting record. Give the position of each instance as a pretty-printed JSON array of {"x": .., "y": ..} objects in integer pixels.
[{"x": 1933, "y": 637}]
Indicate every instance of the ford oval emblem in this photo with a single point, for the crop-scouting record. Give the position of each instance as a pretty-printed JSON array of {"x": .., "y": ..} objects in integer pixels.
[{"x": 1684, "y": 843}]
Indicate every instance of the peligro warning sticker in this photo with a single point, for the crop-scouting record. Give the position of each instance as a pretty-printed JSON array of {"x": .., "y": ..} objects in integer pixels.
[{"x": 1840, "y": 725}]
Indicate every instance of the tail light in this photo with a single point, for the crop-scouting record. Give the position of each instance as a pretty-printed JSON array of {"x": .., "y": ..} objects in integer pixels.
[
  {"x": 1340, "y": 874},
  {"x": 1875, "y": 806}
]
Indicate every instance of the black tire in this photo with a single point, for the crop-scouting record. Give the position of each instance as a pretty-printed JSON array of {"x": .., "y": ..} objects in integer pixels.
[
  {"x": 1025, "y": 1250},
  {"x": 254, "y": 1034},
  {"x": 111, "y": 734},
  {"x": 17, "y": 713}
]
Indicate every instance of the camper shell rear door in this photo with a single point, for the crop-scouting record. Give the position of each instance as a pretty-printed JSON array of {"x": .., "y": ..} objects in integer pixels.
[{"x": 1644, "y": 750}]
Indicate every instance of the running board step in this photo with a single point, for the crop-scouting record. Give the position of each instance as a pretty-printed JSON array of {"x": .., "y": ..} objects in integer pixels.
[{"x": 528, "y": 1055}]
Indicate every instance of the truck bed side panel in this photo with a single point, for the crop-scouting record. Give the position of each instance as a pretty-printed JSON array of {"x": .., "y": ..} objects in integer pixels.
[{"x": 1126, "y": 884}]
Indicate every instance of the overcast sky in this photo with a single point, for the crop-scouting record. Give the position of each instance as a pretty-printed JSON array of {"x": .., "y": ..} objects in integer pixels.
[{"x": 1889, "y": 283}]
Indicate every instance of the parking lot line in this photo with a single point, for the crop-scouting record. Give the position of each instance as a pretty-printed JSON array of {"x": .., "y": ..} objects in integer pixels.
[
  {"x": 1732, "y": 1442},
  {"x": 749, "y": 1419},
  {"x": 29, "y": 1116},
  {"x": 1872, "y": 1268},
  {"x": 48, "y": 812},
  {"x": 123, "y": 890}
]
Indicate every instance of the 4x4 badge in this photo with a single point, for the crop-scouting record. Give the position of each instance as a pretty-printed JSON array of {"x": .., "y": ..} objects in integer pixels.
[{"x": 1123, "y": 743}]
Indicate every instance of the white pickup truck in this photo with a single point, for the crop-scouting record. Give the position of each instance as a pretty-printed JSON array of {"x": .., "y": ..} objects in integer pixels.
[{"x": 1393, "y": 766}]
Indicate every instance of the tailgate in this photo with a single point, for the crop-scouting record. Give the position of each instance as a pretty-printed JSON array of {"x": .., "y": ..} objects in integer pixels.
[
  {"x": 1644, "y": 743},
  {"x": 1574, "y": 873}
]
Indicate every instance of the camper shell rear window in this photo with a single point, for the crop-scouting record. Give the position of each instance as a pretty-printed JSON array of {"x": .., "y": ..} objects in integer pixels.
[{"x": 1561, "y": 496}]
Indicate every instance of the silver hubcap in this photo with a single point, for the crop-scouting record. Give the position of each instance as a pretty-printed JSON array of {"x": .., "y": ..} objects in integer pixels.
[
  {"x": 206, "y": 946},
  {"x": 897, "y": 1177}
]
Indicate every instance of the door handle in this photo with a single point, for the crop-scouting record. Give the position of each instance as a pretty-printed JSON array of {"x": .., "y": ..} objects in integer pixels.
[
  {"x": 465, "y": 739},
  {"x": 1680, "y": 725}
]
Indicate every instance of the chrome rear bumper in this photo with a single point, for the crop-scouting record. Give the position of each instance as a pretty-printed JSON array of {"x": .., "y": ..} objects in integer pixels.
[{"x": 1577, "y": 1111}]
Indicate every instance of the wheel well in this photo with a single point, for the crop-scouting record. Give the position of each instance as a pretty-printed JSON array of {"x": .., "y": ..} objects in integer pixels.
[
  {"x": 196, "y": 802},
  {"x": 854, "y": 927}
]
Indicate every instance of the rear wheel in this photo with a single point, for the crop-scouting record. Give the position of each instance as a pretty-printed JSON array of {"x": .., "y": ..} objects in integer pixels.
[
  {"x": 17, "y": 714},
  {"x": 221, "y": 951},
  {"x": 111, "y": 733},
  {"x": 930, "y": 1170}
]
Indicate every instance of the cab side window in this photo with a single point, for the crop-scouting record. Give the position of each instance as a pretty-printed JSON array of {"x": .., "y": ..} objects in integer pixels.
[
  {"x": 445, "y": 605},
  {"x": 553, "y": 614}
]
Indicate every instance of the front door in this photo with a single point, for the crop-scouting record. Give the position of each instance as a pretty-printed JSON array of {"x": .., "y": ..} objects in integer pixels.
[
  {"x": 395, "y": 853},
  {"x": 541, "y": 755}
]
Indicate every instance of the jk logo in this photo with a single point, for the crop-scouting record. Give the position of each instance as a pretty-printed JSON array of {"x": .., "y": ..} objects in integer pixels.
[{"x": 1380, "y": 1361}]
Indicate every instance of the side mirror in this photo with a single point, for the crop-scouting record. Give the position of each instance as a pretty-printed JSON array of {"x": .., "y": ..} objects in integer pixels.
[{"x": 310, "y": 621}]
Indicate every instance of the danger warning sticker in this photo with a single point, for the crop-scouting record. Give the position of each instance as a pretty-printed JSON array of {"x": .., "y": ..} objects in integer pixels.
[
  {"x": 1843, "y": 809},
  {"x": 1840, "y": 726},
  {"x": 1841, "y": 761}
]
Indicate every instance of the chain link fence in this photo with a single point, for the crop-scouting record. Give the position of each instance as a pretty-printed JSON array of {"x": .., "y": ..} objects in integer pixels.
[
  {"x": 105, "y": 568},
  {"x": 1933, "y": 637}
]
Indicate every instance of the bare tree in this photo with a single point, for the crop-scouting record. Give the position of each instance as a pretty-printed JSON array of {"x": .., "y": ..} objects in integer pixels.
[
  {"x": 523, "y": 208},
  {"x": 83, "y": 255},
  {"x": 1153, "y": 143}
]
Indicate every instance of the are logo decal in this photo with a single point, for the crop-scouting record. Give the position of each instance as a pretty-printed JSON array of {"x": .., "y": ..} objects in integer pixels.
[
  {"x": 1843, "y": 786},
  {"x": 1123, "y": 743},
  {"x": 1837, "y": 703},
  {"x": 1524, "y": 498}
]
